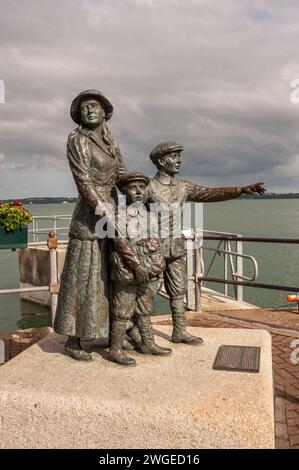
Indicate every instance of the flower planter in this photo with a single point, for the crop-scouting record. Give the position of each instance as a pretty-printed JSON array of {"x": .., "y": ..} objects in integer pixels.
[{"x": 12, "y": 240}]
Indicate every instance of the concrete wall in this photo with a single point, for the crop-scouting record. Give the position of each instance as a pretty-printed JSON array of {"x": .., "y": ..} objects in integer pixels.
[{"x": 34, "y": 269}]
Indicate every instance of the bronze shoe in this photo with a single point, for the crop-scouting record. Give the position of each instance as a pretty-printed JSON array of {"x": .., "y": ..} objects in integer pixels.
[
  {"x": 185, "y": 337},
  {"x": 153, "y": 348},
  {"x": 73, "y": 347},
  {"x": 118, "y": 356}
]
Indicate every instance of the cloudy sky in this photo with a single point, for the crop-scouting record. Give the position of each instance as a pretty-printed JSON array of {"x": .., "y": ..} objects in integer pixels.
[{"x": 214, "y": 76}]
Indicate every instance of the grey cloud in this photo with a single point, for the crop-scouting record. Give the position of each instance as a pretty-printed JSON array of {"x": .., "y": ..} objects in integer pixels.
[{"x": 214, "y": 76}]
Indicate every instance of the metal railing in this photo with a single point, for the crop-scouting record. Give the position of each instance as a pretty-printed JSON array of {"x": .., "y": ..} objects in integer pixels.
[
  {"x": 233, "y": 256},
  {"x": 200, "y": 277},
  {"x": 229, "y": 248},
  {"x": 53, "y": 287},
  {"x": 36, "y": 231},
  {"x": 233, "y": 259}
]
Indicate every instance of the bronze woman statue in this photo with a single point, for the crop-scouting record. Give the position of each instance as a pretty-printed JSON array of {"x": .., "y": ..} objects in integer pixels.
[{"x": 96, "y": 164}]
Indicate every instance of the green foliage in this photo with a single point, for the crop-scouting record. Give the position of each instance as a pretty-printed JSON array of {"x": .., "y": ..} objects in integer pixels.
[{"x": 14, "y": 216}]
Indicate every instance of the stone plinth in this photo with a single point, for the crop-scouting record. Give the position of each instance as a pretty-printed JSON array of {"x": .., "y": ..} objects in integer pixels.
[{"x": 47, "y": 400}]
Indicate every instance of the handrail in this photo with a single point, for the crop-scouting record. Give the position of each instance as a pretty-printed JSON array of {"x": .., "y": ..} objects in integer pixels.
[
  {"x": 24, "y": 289},
  {"x": 234, "y": 253},
  {"x": 53, "y": 287},
  {"x": 249, "y": 284},
  {"x": 36, "y": 230},
  {"x": 255, "y": 239},
  {"x": 226, "y": 238},
  {"x": 46, "y": 230},
  {"x": 230, "y": 258},
  {"x": 44, "y": 243},
  {"x": 52, "y": 217},
  {"x": 232, "y": 234}
]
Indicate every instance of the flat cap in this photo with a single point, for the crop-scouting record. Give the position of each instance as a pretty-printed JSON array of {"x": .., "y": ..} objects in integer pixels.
[
  {"x": 132, "y": 176},
  {"x": 97, "y": 95},
  {"x": 162, "y": 149}
]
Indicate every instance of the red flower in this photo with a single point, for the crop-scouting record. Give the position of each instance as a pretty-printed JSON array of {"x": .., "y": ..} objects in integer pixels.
[{"x": 17, "y": 202}]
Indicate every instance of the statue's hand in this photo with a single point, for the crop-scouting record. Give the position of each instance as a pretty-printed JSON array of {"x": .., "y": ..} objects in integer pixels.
[
  {"x": 141, "y": 275},
  {"x": 253, "y": 189},
  {"x": 100, "y": 209},
  {"x": 104, "y": 209}
]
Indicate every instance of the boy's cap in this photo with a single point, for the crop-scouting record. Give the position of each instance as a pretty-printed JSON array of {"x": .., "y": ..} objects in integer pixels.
[
  {"x": 132, "y": 176},
  {"x": 163, "y": 149}
]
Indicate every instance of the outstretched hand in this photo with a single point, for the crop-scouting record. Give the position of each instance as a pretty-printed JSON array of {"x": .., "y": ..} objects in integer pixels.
[{"x": 253, "y": 189}]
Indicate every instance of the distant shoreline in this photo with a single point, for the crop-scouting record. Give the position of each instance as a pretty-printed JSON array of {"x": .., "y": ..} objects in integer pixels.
[
  {"x": 44, "y": 200},
  {"x": 61, "y": 200}
]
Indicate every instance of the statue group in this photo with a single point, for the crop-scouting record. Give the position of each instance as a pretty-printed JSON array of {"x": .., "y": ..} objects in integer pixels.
[{"x": 108, "y": 283}]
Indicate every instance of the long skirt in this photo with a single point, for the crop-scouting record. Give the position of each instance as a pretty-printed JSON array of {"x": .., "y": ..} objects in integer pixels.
[{"x": 84, "y": 297}]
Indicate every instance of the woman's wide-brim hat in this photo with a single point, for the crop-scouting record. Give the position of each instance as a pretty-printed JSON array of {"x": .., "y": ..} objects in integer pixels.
[{"x": 75, "y": 106}]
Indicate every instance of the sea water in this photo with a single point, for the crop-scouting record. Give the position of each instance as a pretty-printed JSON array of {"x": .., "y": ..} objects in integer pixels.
[{"x": 278, "y": 263}]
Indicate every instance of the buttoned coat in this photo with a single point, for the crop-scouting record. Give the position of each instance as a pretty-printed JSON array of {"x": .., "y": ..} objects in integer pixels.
[
  {"x": 171, "y": 192},
  {"x": 84, "y": 297}
]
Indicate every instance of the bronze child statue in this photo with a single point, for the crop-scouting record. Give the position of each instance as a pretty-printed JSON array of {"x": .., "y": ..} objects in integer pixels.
[
  {"x": 135, "y": 266},
  {"x": 165, "y": 189}
]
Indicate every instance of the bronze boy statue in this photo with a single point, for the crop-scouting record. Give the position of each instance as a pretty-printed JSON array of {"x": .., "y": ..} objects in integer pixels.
[
  {"x": 135, "y": 265},
  {"x": 165, "y": 189}
]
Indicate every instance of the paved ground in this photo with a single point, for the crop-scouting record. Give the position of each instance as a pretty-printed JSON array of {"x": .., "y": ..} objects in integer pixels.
[
  {"x": 17, "y": 341},
  {"x": 286, "y": 373}
]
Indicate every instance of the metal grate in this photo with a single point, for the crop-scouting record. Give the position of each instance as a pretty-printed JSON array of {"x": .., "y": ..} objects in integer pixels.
[{"x": 238, "y": 358}]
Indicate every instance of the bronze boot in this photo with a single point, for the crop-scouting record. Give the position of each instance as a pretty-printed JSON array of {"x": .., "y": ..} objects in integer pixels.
[
  {"x": 116, "y": 351},
  {"x": 180, "y": 333},
  {"x": 73, "y": 347},
  {"x": 127, "y": 345},
  {"x": 135, "y": 336},
  {"x": 148, "y": 345}
]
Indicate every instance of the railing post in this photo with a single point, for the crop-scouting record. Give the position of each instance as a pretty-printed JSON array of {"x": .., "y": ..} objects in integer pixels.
[
  {"x": 198, "y": 274},
  {"x": 54, "y": 286},
  {"x": 239, "y": 250},
  {"x": 225, "y": 267},
  {"x": 2, "y": 352},
  {"x": 34, "y": 230},
  {"x": 190, "y": 274}
]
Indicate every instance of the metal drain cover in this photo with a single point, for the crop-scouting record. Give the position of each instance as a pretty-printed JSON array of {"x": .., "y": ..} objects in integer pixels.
[{"x": 238, "y": 358}]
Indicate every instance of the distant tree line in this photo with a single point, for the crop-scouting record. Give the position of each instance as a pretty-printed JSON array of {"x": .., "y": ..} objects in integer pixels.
[
  {"x": 60, "y": 200},
  {"x": 45, "y": 200},
  {"x": 271, "y": 196}
]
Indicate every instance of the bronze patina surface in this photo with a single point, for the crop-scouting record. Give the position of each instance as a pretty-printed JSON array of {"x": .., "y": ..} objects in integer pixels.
[
  {"x": 96, "y": 164},
  {"x": 238, "y": 358},
  {"x": 165, "y": 189},
  {"x": 136, "y": 265}
]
